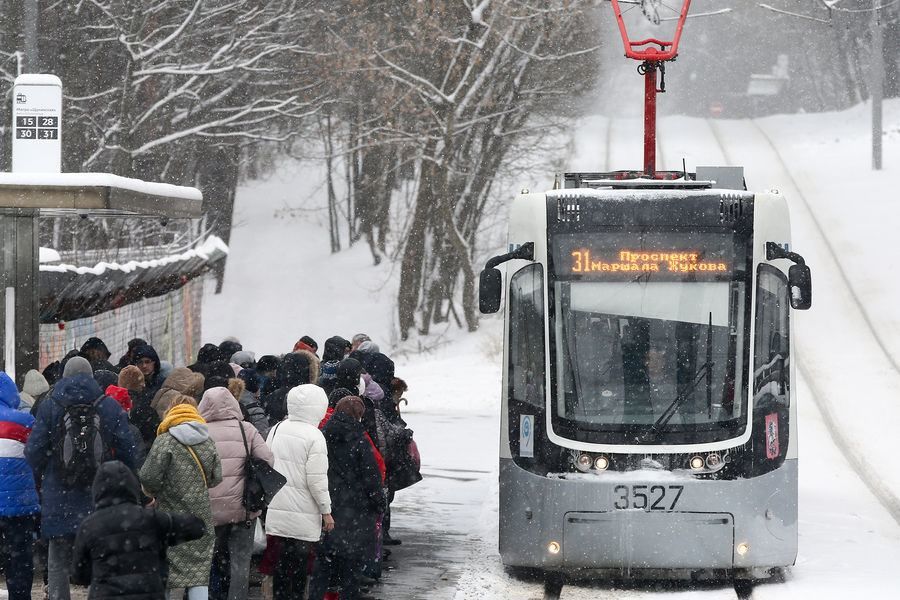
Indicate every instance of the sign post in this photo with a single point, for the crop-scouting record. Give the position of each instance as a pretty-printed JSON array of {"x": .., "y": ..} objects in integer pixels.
[{"x": 37, "y": 124}]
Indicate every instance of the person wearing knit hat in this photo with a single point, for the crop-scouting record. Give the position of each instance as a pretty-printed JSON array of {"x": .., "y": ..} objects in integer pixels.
[
  {"x": 123, "y": 397},
  {"x": 77, "y": 365},
  {"x": 180, "y": 468},
  {"x": 181, "y": 381},
  {"x": 131, "y": 379},
  {"x": 244, "y": 358},
  {"x": 34, "y": 389}
]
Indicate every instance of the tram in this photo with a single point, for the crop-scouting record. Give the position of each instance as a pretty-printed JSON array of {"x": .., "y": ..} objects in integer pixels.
[{"x": 648, "y": 417}]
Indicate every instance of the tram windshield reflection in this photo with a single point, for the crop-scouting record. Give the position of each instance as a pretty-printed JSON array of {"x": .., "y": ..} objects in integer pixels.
[{"x": 630, "y": 353}]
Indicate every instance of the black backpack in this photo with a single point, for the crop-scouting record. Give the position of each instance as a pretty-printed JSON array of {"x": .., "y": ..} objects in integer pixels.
[{"x": 80, "y": 448}]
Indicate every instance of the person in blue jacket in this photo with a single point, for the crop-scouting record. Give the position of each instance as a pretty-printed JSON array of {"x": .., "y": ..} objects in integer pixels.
[
  {"x": 19, "y": 503},
  {"x": 64, "y": 508}
]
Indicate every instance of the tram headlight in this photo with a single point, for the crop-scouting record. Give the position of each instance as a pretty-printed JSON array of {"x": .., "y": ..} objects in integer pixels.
[
  {"x": 697, "y": 463},
  {"x": 553, "y": 547},
  {"x": 713, "y": 461},
  {"x": 583, "y": 462},
  {"x": 743, "y": 548},
  {"x": 601, "y": 463}
]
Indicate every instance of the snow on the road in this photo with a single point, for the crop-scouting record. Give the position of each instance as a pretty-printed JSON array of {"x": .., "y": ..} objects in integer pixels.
[
  {"x": 849, "y": 544},
  {"x": 857, "y": 381}
]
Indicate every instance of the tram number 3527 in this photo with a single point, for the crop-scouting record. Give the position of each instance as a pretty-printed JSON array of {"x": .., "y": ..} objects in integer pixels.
[{"x": 647, "y": 497}]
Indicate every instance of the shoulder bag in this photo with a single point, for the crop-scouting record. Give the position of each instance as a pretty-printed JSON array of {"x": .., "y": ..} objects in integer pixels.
[{"x": 261, "y": 480}]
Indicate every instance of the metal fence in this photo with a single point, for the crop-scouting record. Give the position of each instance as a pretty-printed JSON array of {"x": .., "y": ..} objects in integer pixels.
[{"x": 170, "y": 323}]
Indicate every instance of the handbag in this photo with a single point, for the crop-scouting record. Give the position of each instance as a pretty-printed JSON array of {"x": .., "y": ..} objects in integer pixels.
[{"x": 261, "y": 480}]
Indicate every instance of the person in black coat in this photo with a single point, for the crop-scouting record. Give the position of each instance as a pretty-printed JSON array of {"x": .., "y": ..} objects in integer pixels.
[
  {"x": 207, "y": 355},
  {"x": 297, "y": 368},
  {"x": 381, "y": 368},
  {"x": 127, "y": 358},
  {"x": 354, "y": 484},
  {"x": 147, "y": 360},
  {"x": 96, "y": 352},
  {"x": 336, "y": 348},
  {"x": 120, "y": 550},
  {"x": 348, "y": 376}
]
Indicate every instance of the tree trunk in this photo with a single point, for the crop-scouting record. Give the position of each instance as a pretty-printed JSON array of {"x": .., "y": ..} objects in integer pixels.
[{"x": 414, "y": 251}]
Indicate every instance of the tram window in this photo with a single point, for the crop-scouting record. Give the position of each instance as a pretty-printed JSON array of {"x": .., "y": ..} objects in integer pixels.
[
  {"x": 771, "y": 365},
  {"x": 526, "y": 335}
]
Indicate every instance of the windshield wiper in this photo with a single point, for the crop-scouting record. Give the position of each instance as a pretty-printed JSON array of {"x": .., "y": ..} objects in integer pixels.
[{"x": 702, "y": 372}]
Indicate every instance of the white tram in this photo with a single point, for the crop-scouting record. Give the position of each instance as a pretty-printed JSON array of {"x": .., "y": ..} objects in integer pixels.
[{"x": 649, "y": 418}]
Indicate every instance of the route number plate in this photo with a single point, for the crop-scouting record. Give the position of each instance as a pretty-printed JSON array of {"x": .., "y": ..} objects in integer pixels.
[{"x": 656, "y": 498}]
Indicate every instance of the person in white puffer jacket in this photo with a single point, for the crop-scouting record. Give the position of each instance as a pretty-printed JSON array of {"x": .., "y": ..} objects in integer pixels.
[{"x": 301, "y": 510}]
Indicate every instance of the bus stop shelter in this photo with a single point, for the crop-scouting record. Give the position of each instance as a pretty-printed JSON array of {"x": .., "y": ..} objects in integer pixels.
[{"x": 24, "y": 198}]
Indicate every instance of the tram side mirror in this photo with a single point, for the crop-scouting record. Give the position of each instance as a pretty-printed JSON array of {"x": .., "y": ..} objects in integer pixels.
[
  {"x": 489, "y": 286},
  {"x": 800, "y": 282}
]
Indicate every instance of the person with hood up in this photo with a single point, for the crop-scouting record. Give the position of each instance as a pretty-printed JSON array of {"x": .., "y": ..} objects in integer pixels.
[
  {"x": 234, "y": 526},
  {"x": 349, "y": 375},
  {"x": 181, "y": 467},
  {"x": 19, "y": 504},
  {"x": 34, "y": 388},
  {"x": 336, "y": 348},
  {"x": 297, "y": 368},
  {"x": 127, "y": 358},
  {"x": 147, "y": 360},
  {"x": 96, "y": 352},
  {"x": 120, "y": 549},
  {"x": 182, "y": 381},
  {"x": 267, "y": 371},
  {"x": 64, "y": 506},
  {"x": 301, "y": 510},
  {"x": 354, "y": 485}
]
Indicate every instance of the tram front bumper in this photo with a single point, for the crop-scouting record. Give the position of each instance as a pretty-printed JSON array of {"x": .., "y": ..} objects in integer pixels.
[
  {"x": 714, "y": 524},
  {"x": 642, "y": 540}
]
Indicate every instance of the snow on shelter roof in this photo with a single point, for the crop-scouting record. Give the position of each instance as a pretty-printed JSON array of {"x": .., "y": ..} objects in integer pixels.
[
  {"x": 71, "y": 292},
  {"x": 97, "y": 192}
]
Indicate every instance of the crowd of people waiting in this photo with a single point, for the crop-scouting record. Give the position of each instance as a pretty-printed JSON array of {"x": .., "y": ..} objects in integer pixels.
[{"x": 132, "y": 477}]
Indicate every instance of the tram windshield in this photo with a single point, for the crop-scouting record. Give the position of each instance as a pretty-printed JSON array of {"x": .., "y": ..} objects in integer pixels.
[{"x": 650, "y": 355}]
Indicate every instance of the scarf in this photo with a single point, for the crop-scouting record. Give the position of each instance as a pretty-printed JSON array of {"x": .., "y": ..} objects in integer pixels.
[{"x": 178, "y": 414}]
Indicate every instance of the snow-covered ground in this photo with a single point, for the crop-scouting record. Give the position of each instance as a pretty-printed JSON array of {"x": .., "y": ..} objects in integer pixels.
[{"x": 282, "y": 282}]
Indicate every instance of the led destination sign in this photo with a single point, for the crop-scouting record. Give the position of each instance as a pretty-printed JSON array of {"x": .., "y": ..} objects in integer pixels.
[
  {"x": 665, "y": 256},
  {"x": 641, "y": 261}
]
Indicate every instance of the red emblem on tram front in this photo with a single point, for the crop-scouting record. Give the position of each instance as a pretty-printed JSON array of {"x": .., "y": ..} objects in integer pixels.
[{"x": 773, "y": 449}]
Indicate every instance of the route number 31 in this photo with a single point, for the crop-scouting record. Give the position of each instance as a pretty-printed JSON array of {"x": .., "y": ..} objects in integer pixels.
[{"x": 647, "y": 497}]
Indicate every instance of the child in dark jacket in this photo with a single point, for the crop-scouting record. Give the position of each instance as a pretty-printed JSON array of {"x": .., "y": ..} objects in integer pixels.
[{"x": 120, "y": 550}]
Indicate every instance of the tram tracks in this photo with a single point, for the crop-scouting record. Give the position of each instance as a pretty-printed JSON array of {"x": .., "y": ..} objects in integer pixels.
[{"x": 838, "y": 433}]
